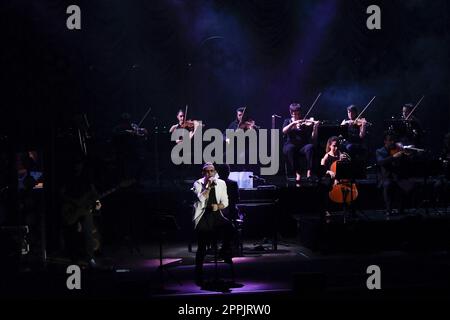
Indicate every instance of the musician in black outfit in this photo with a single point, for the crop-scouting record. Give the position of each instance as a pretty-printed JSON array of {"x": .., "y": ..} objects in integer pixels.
[
  {"x": 79, "y": 235},
  {"x": 395, "y": 181},
  {"x": 299, "y": 135},
  {"x": 411, "y": 133},
  {"x": 332, "y": 155},
  {"x": 234, "y": 125},
  {"x": 354, "y": 144},
  {"x": 244, "y": 122}
]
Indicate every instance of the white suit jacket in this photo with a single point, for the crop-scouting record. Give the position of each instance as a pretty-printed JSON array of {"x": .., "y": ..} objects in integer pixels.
[{"x": 200, "y": 204}]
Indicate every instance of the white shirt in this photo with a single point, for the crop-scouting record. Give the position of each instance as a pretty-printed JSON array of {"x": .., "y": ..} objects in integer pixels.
[{"x": 200, "y": 204}]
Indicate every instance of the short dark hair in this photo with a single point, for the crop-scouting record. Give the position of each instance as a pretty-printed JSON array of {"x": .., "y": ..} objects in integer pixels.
[
  {"x": 294, "y": 107},
  {"x": 180, "y": 110},
  {"x": 408, "y": 106},
  {"x": 240, "y": 109},
  {"x": 352, "y": 108}
]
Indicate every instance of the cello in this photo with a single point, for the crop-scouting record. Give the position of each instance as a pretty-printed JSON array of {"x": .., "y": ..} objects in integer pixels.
[{"x": 343, "y": 191}]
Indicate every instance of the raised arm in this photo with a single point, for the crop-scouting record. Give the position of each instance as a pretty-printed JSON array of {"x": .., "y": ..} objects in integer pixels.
[
  {"x": 363, "y": 129},
  {"x": 383, "y": 158},
  {"x": 201, "y": 193},
  {"x": 288, "y": 126}
]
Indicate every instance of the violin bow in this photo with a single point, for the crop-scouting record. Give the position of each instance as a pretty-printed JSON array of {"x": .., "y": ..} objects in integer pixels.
[
  {"x": 365, "y": 108},
  {"x": 185, "y": 114},
  {"x": 415, "y": 107},
  {"x": 243, "y": 113},
  {"x": 312, "y": 106},
  {"x": 145, "y": 116}
]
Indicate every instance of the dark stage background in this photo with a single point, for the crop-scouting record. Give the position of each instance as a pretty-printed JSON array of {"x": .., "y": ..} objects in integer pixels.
[{"x": 215, "y": 56}]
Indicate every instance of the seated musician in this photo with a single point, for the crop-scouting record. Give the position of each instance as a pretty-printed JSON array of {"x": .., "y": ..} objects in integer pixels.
[
  {"x": 332, "y": 154},
  {"x": 412, "y": 131},
  {"x": 299, "y": 134},
  {"x": 191, "y": 125},
  {"x": 356, "y": 133},
  {"x": 234, "y": 125},
  {"x": 394, "y": 173},
  {"x": 243, "y": 121}
]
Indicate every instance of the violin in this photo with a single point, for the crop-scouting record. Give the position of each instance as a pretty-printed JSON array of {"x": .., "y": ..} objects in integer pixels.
[
  {"x": 190, "y": 124},
  {"x": 358, "y": 122},
  {"x": 137, "y": 131},
  {"x": 307, "y": 122},
  {"x": 141, "y": 132},
  {"x": 398, "y": 148},
  {"x": 249, "y": 124}
]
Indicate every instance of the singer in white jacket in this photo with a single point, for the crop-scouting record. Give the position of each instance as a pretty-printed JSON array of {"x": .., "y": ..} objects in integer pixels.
[{"x": 210, "y": 224}]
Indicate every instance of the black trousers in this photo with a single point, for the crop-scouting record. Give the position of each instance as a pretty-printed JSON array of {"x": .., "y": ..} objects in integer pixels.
[
  {"x": 211, "y": 228},
  {"x": 294, "y": 152}
]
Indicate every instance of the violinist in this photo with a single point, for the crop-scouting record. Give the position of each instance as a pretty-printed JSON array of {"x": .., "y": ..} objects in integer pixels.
[
  {"x": 299, "y": 134},
  {"x": 356, "y": 134},
  {"x": 412, "y": 129},
  {"x": 242, "y": 121},
  {"x": 234, "y": 125},
  {"x": 190, "y": 125},
  {"x": 395, "y": 181}
]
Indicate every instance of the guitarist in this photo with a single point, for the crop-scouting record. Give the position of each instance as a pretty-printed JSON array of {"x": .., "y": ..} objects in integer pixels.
[{"x": 79, "y": 199}]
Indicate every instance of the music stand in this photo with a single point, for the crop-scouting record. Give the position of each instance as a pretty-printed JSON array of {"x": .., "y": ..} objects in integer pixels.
[{"x": 349, "y": 170}]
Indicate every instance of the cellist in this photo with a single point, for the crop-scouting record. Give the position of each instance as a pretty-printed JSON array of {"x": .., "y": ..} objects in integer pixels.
[{"x": 332, "y": 154}]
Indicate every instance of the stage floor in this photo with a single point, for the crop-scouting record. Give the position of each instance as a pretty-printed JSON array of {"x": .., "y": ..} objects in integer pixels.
[{"x": 412, "y": 269}]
